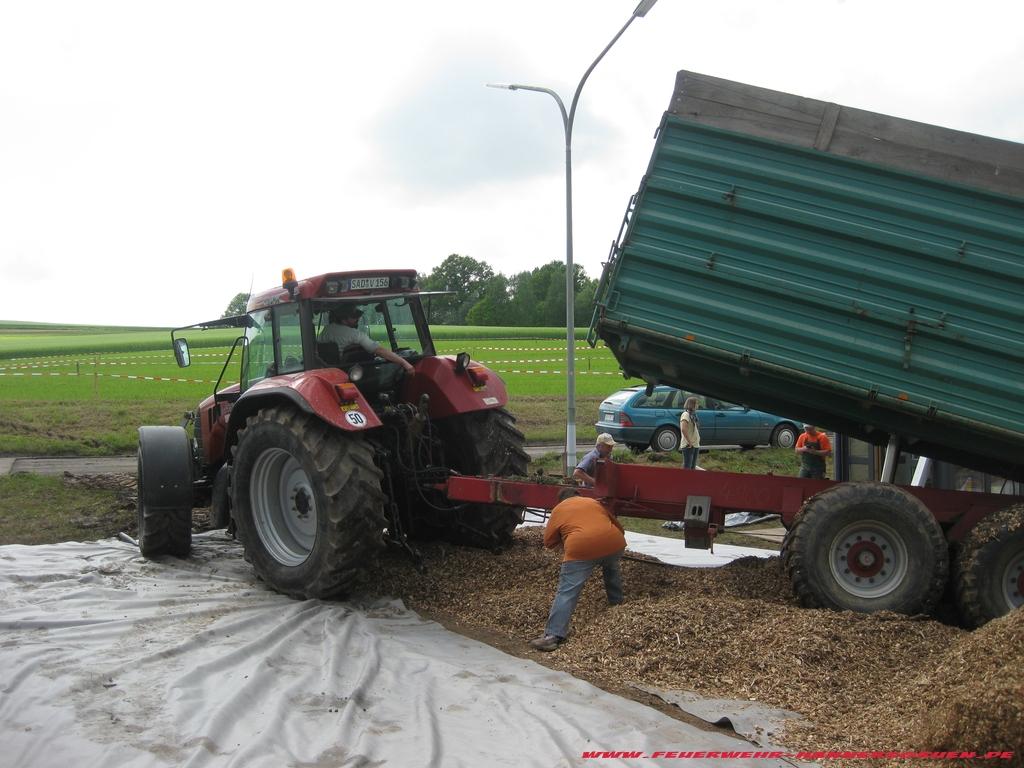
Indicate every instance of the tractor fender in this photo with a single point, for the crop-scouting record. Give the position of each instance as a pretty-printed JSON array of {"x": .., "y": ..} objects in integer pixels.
[
  {"x": 454, "y": 392},
  {"x": 310, "y": 392}
]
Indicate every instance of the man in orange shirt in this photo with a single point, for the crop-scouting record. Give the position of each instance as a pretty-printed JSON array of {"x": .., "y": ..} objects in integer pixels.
[
  {"x": 812, "y": 447},
  {"x": 590, "y": 536}
]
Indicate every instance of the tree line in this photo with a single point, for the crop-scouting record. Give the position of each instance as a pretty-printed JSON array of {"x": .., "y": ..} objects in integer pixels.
[{"x": 482, "y": 297}]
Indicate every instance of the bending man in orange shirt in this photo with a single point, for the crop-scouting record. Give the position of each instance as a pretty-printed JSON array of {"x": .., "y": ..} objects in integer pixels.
[{"x": 591, "y": 537}]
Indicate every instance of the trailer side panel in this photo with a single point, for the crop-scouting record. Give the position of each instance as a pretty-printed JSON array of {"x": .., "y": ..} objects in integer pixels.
[{"x": 863, "y": 298}]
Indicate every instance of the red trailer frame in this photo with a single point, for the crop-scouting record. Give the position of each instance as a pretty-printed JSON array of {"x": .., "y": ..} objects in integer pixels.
[{"x": 701, "y": 499}]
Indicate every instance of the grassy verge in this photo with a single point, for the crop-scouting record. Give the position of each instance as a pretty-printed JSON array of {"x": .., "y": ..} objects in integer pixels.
[
  {"x": 96, "y": 428},
  {"x": 542, "y": 417},
  {"x": 43, "y": 510},
  {"x": 110, "y": 427}
]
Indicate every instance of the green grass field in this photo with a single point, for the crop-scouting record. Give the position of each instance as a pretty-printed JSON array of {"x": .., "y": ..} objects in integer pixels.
[{"x": 86, "y": 390}]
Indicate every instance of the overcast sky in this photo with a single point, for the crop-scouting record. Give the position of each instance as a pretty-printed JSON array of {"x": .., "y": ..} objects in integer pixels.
[{"x": 158, "y": 158}]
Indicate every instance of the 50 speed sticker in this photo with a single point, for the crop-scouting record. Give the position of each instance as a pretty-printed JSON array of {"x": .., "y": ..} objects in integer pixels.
[{"x": 356, "y": 419}]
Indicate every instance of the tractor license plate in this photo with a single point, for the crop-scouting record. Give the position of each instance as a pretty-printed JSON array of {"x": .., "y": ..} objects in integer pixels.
[{"x": 359, "y": 283}]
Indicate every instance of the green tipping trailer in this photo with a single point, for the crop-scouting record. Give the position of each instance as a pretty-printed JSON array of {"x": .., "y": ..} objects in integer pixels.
[{"x": 850, "y": 269}]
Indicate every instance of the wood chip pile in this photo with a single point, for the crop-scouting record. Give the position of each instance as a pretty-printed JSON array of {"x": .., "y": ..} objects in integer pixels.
[{"x": 863, "y": 682}]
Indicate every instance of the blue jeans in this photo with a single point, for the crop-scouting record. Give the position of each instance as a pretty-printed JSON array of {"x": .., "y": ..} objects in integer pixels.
[
  {"x": 690, "y": 458},
  {"x": 573, "y": 576}
]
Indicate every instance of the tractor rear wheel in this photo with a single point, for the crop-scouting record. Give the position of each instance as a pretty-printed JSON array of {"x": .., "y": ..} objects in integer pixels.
[
  {"x": 990, "y": 567},
  {"x": 866, "y": 547},
  {"x": 484, "y": 443},
  {"x": 165, "y": 493},
  {"x": 220, "y": 503},
  {"x": 307, "y": 503}
]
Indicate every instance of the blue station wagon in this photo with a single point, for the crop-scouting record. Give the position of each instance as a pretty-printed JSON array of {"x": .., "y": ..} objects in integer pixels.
[{"x": 638, "y": 420}]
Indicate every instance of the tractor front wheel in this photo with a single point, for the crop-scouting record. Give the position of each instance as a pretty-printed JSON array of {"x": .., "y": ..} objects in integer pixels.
[
  {"x": 307, "y": 503},
  {"x": 484, "y": 443},
  {"x": 990, "y": 567},
  {"x": 866, "y": 547},
  {"x": 165, "y": 493}
]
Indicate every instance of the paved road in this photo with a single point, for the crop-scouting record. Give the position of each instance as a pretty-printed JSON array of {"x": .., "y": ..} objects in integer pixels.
[{"x": 108, "y": 465}]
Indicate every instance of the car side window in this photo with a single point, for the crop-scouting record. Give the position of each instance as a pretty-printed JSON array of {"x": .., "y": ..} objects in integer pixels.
[{"x": 656, "y": 400}]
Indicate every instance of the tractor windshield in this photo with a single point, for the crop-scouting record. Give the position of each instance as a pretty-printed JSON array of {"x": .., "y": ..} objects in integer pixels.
[{"x": 395, "y": 323}]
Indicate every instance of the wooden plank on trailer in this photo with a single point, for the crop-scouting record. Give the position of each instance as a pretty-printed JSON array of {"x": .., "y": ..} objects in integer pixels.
[{"x": 943, "y": 153}]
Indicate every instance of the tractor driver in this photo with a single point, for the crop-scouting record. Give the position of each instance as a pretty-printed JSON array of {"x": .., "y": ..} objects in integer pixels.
[{"x": 343, "y": 330}]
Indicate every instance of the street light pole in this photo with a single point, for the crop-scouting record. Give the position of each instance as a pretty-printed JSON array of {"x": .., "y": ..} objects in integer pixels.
[{"x": 570, "y": 274}]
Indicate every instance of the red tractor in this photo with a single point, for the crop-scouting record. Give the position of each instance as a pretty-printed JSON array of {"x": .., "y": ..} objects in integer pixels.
[{"x": 323, "y": 453}]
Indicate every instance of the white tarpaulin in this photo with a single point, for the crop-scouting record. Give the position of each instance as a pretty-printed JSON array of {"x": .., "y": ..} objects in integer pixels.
[
  {"x": 675, "y": 552},
  {"x": 110, "y": 660}
]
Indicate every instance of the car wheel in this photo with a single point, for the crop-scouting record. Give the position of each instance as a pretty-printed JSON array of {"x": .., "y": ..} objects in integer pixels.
[
  {"x": 784, "y": 436},
  {"x": 665, "y": 439}
]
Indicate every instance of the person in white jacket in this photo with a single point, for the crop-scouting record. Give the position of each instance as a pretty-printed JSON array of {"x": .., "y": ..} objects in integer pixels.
[{"x": 689, "y": 433}]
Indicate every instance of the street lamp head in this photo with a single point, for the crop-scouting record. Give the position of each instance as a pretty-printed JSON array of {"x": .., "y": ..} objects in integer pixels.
[
  {"x": 643, "y": 8},
  {"x": 506, "y": 86}
]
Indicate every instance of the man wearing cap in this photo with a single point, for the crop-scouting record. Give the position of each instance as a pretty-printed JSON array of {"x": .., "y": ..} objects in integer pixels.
[
  {"x": 585, "y": 470},
  {"x": 590, "y": 536},
  {"x": 344, "y": 331},
  {"x": 812, "y": 447}
]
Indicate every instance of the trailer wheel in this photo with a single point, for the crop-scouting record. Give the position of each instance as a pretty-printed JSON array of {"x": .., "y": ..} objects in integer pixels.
[
  {"x": 784, "y": 436},
  {"x": 866, "y": 547},
  {"x": 484, "y": 443},
  {"x": 990, "y": 567},
  {"x": 164, "y": 505},
  {"x": 307, "y": 503},
  {"x": 665, "y": 439}
]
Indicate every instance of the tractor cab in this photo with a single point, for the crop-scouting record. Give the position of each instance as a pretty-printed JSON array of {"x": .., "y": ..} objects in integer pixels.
[
  {"x": 347, "y": 335},
  {"x": 338, "y": 320}
]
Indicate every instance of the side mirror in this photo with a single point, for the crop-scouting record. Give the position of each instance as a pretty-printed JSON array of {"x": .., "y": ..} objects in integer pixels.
[
  {"x": 461, "y": 362},
  {"x": 181, "y": 353}
]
